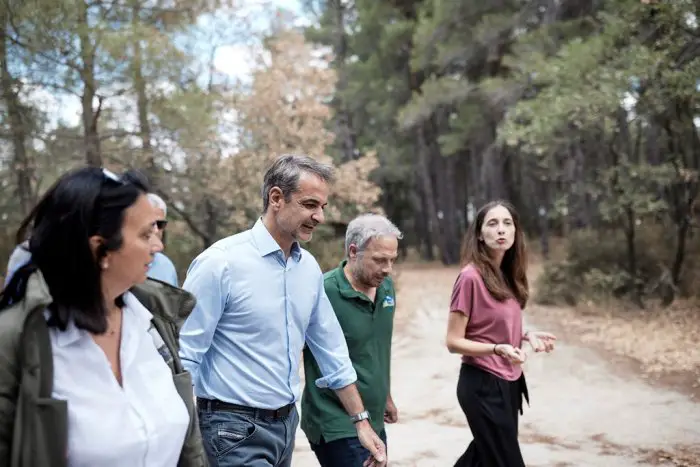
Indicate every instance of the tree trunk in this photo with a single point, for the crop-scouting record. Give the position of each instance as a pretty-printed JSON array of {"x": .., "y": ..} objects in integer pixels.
[
  {"x": 90, "y": 115},
  {"x": 424, "y": 174},
  {"x": 345, "y": 134},
  {"x": 142, "y": 102},
  {"x": 679, "y": 257},
  {"x": 688, "y": 144},
  {"x": 211, "y": 224},
  {"x": 422, "y": 225},
  {"x": 631, "y": 240},
  {"x": 444, "y": 181},
  {"x": 21, "y": 165}
]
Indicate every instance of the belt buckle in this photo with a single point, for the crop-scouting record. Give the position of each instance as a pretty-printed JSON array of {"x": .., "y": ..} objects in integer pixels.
[{"x": 281, "y": 412}]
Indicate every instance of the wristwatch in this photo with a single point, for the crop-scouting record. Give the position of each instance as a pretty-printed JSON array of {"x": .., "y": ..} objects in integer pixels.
[{"x": 364, "y": 415}]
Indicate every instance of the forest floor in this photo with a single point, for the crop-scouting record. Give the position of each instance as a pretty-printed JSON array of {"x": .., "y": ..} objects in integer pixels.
[{"x": 620, "y": 389}]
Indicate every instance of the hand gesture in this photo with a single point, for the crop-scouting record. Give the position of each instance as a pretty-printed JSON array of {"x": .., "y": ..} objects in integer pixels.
[
  {"x": 513, "y": 354},
  {"x": 391, "y": 413},
  {"x": 541, "y": 341},
  {"x": 369, "y": 439}
]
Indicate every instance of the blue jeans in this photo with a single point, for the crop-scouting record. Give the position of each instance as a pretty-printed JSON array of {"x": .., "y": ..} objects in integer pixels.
[
  {"x": 233, "y": 439},
  {"x": 344, "y": 452}
]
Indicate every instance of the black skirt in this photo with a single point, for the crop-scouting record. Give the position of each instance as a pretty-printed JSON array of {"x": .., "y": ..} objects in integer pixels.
[{"x": 491, "y": 405}]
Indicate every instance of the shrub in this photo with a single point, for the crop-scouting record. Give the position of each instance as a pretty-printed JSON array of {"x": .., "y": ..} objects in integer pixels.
[{"x": 595, "y": 268}]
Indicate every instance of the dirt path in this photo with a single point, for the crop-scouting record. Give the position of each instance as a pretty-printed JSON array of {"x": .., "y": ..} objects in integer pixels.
[{"x": 584, "y": 410}]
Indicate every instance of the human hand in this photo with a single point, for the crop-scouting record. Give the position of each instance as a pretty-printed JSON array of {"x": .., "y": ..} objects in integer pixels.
[
  {"x": 513, "y": 354},
  {"x": 369, "y": 439},
  {"x": 541, "y": 341},
  {"x": 391, "y": 413}
]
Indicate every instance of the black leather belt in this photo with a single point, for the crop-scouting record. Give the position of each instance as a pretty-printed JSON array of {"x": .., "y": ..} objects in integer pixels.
[{"x": 214, "y": 405}]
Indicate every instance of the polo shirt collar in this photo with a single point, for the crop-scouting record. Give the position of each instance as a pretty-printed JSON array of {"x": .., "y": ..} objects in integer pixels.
[
  {"x": 344, "y": 285},
  {"x": 267, "y": 245}
]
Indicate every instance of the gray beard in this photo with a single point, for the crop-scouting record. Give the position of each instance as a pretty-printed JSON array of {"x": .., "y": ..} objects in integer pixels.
[{"x": 359, "y": 278}]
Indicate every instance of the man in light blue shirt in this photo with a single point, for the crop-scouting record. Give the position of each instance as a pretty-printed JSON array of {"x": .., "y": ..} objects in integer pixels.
[
  {"x": 19, "y": 257},
  {"x": 260, "y": 298},
  {"x": 161, "y": 268}
]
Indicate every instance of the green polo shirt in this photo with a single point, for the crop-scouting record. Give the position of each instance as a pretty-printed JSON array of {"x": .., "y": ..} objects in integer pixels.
[{"x": 368, "y": 328}]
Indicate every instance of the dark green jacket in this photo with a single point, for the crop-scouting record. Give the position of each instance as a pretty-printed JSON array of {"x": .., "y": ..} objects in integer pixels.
[{"x": 33, "y": 426}]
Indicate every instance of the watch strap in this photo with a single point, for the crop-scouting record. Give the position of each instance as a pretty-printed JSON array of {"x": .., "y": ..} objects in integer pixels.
[{"x": 364, "y": 415}]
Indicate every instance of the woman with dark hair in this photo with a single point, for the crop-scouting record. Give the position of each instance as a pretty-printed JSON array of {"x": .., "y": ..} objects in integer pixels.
[
  {"x": 485, "y": 327},
  {"x": 21, "y": 254},
  {"x": 89, "y": 367}
]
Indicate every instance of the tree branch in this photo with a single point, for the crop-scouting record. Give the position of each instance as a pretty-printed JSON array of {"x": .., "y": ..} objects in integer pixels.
[{"x": 186, "y": 217}]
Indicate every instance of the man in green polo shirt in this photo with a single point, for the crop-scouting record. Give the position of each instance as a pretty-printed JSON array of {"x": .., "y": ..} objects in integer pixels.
[{"x": 363, "y": 297}]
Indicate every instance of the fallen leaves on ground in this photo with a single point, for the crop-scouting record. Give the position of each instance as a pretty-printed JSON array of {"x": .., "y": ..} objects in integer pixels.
[{"x": 662, "y": 340}]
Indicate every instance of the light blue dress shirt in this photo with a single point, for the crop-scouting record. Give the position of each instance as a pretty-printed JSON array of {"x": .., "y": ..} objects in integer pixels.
[
  {"x": 163, "y": 269},
  {"x": 242, "y": 343},
  {"x": 19, "y": 257}
]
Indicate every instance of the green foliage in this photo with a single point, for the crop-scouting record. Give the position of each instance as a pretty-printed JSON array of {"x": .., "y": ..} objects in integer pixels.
[
  {"x": 632, "y": 187},
  {"x": 583, "y": 108},
  {"x": 434, "y": 94},
  {"x": 593, "y": 269},
  {"x": 327, "y": 248},
  {"x": 583, "y": 84},
  {"x": 457, "y": 46}
]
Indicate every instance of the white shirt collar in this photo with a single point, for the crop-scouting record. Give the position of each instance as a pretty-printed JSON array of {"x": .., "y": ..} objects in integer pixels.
[
  {"x": 131, "y": 305},
  {"x": 134, "y": 306}
]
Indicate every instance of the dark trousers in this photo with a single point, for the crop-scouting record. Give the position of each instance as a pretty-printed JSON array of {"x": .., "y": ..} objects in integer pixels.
[
  {"x": 236, "y": 439},
  {"x": 344, "y": 452},
  {"x": 491, "y": 405}
]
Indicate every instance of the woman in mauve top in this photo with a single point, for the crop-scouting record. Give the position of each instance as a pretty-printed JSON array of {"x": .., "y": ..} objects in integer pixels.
[{"x": 485, "y": 327}]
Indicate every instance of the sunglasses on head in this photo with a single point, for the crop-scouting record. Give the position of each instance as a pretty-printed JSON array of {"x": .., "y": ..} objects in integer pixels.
[
  {"x": 109, "y": 175},
  {"x": 161, "y": 224}
]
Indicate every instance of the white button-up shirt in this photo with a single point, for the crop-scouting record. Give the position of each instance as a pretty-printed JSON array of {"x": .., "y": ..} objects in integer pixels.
[{"x": 139, "y": 424}]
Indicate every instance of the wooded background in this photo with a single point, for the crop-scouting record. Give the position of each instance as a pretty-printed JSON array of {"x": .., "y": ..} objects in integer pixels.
[{"x": 583, "y": 113}]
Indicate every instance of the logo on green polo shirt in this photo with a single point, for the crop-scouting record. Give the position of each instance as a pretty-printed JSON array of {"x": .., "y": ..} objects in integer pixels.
[{"x": 388, "y": 301}]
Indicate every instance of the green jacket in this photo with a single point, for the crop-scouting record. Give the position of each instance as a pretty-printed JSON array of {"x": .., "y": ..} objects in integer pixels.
[{"x": 33, "y": 426}]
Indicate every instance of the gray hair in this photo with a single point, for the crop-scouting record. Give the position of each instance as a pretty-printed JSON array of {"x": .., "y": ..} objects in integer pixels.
[
  {"x": 285, "y": 172},
  {"x": 365, "y": 227},
  {"x": 157, "y": 202}
]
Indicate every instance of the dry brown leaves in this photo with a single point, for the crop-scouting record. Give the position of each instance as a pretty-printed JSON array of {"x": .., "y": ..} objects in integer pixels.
[
  {"x": 661, "y": 340},
  {"x": 287, "y": 111}
]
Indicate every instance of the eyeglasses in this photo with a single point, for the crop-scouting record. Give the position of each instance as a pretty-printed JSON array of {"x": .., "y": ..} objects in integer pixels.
[{"x": 161, "y": 224}]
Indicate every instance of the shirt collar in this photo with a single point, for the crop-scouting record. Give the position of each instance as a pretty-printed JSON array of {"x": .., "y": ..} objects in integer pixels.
[
  {"x": 344, "y": 285},
  {"x": 71, "y": 335},
  {"x": 266, "y": 244},
  {"x": 131, "y": 305},
  {"x": 346, "y": 288}
]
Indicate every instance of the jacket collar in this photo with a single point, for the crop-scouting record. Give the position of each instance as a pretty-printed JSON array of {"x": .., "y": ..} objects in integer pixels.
[
  {"x": 37, "y": 293},
  {"x": 164, "y": 300}
]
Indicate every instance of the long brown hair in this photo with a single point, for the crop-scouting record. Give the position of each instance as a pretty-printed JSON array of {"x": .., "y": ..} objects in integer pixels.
[{"x": 511, "y": 280}]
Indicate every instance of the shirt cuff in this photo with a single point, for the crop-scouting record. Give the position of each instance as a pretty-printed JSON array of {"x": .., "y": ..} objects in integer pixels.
[{"x": 339, "y": 379}]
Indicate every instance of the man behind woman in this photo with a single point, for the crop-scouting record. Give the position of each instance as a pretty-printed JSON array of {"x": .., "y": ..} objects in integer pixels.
[{"x": 89, "y": 366}]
